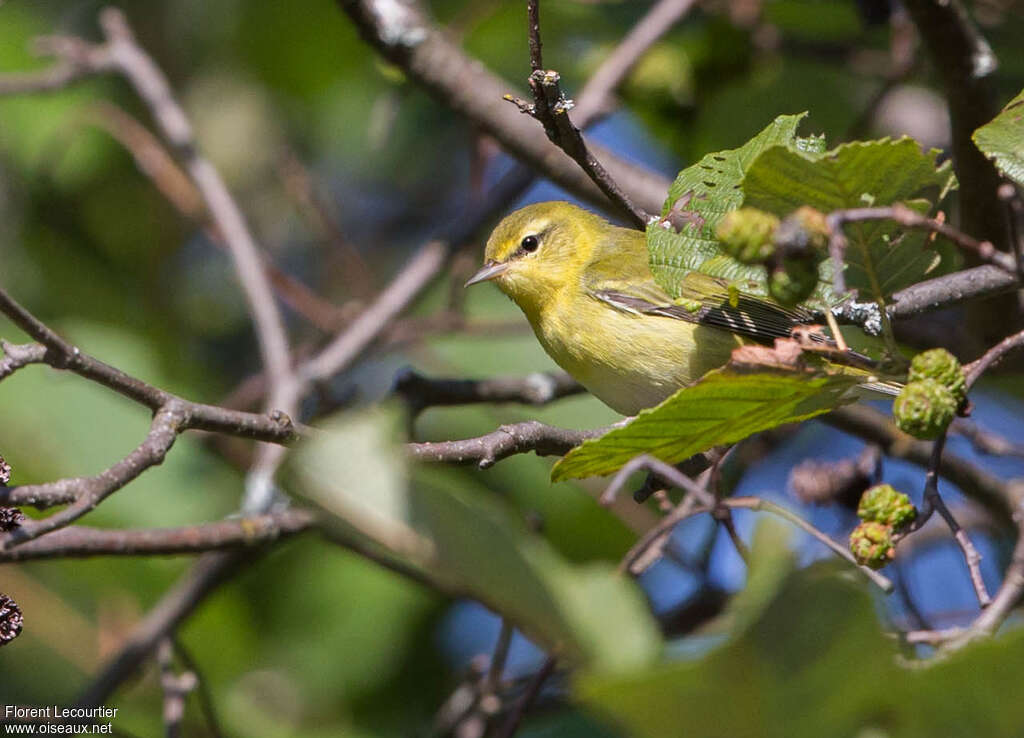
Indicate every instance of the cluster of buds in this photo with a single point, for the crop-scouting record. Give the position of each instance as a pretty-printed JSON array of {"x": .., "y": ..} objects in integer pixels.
[
  {"x": 790, "y": 249},
  {"x": 936, "y": 388},
  {"x": 883, "y": 512}
]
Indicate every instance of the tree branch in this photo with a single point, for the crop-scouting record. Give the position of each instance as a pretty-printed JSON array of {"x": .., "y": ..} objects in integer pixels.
[
  {"x": 403, "y": 35},
  {"x": 404, "y": 288},
  {"x": 933, "y": 502},
  {"x": 128, "y": 58},
  {"x": 246, "y": 532},
  {"x": 19, "y": 356},
  {"x": 908, "y": 218},
  {"x": 88, "y": 492},
  {"x": 551, "y": 108},
  {"x": 507, "y": 440},
  {"x": 204, "y": 578},
  {"x": 273, "y": 427},
  {"x": 420, "y": 392},
  {"x": 992, "y": 357}
]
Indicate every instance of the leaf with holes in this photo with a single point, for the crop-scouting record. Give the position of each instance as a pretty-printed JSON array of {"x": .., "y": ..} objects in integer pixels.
[
  {"x": 683, "y": 238},
  {"x": 1002, "y": 139},
  {"x": 881, "y": 257}
]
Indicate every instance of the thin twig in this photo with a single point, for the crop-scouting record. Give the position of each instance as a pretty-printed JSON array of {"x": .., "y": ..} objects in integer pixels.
[
  {"x": 153, "y": 161},
  {"x": 272, "y": 427},
  {"x": 91, "y": 491},
  {"x": 515, "y": 717},
  {"x": 706, "y": 503},
  {"x": 668, "y": 473},
  {"x": 175, "y": 606},
  {"x": 404, "y": 288},
  {"x": 403, "y": 34},
  {"x": 496, "y": 668},
  {"x": 992, "y": 357},
  {"x": 755, "y": 503},
  {"x": 933, "y": 502},
  {"x": 245, "y": 532},
  {"x": 517, "y": 438},
  {"x": 540, "y": 388},
  {"x": 994, "y": 494},
  {"x": 203, "y": 690},
  {"x": 551, "y": 107},
  {"x": 128, "y": 58},
  {"x": 176, "y": 688},
  {"x": 985, "y": 441},
  {"x": 908, "y": 218}
]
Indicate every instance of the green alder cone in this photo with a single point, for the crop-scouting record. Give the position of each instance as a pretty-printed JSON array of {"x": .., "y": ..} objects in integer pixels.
[
  {"x": 871, "y": 544},
  {"x": 924, "y": 409},
  {"x": 746, "y": 235},
  {"x": 943, "y": 367},
  {"x": 883, "y": 504}
]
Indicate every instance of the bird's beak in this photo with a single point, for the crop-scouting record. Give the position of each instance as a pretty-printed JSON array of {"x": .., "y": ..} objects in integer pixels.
[{"x": 490, "y": 270}]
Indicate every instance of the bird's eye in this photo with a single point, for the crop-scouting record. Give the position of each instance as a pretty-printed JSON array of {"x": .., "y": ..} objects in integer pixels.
[{"x": 529, "y": 244}]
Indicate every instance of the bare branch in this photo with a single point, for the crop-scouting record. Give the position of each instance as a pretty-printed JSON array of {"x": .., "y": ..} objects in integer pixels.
[
  {"x": 245, "y": 532},
  {"x": 128, "y": 58},
  {"x": 17, "y": 356},
  {"x": 508, "y": 440},
  {"x": 403, "y": 35},
  {"x": 992, "y": 357},
  {"x": 985, "y": 441},
  {"x": 754, "y": 503},
  {"x": 404, "y": 288},
  {"x": 205, "y": 577},
  {"x": 88, "y": 492},
  {"x": 951, "y": 289},
  {"x": 153, "y": 161},
  {"x": 686, "y": 510},
  {"x": 933, "y": 502},
  {"x": 908, "y": 218},
  {"x": 420, "y": 392},
  {"x": 515, "y": 717},
  {"x": 551, "y": 108},
  {"x": 273, "y": 427}
]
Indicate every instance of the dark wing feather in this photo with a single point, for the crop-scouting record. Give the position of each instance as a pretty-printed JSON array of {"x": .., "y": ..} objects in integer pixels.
[{"x": 705, "y": 301}]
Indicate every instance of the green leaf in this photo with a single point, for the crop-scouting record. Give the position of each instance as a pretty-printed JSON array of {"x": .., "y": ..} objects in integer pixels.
[
  {"x": 1002, "y": 139},
  {"x": 726, "y": 406},
  {"x": 881, "y": 258},
  {"x": 459, "y": 537},
  {"x": 700, "y": 196}
]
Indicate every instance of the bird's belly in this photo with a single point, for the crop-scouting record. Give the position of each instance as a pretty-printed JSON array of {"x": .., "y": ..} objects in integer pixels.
[{"x": 634, "y": 362}]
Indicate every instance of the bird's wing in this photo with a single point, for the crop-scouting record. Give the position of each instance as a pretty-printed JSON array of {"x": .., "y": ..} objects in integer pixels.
[{"x": 704, "y": 300}]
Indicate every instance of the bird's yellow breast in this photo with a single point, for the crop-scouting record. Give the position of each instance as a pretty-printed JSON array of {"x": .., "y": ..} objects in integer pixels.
[{"x": 627, "y": 361}]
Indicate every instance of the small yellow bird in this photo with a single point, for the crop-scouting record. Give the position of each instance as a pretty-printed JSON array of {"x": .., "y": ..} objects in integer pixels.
[{"x": 589, "y": 294}]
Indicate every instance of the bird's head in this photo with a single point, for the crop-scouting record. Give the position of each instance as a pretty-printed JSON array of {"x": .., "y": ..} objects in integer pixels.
[{"x": 539, "y": 250}]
